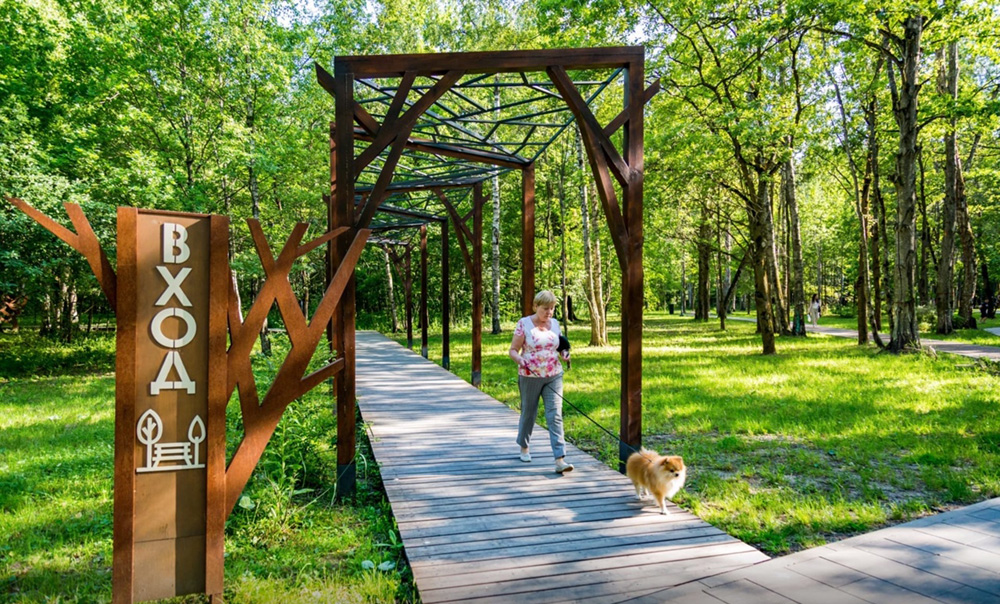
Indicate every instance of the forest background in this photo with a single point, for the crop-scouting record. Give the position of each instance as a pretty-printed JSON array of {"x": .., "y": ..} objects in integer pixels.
[
  {"x": 844, "y": 149},
  {"x": 792, "y": 143}
]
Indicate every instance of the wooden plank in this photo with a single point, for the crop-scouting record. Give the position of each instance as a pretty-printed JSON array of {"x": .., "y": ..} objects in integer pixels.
[
  {"x": 915, "y": 579},
  {"x": 492, "y": 548},
  {"x": 478, "y": 524},
  {"x": 559, "y": 553},
  {"x": 571, "y": 584},
  {"x": 964, "y": 536},
  {"x": 947, "y": 549},
  {"x": 388, "y": 66},
  {"x": 952, "y": 570},
  {"x": 884, "y": 592},
  {"x": 748, "y": 592},
  {"x": 799, "y": 588}
]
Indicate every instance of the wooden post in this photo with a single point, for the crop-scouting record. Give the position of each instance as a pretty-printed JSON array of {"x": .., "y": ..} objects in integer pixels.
[
  {"x": 528, "y": 240},
  {"x": 445, "y": 300},
  {"x": 345, "y": 314},
  {"x": 632, "y": 275},
  {"x": 477, "y": 284},
  {"x": 408, "y": 297},
  {"x": 423, "y": 291},
  {"x": 123, "y": 567}
]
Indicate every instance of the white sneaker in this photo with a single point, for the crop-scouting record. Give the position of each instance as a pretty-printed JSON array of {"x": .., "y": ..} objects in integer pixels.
[
  {"x": 562, "y": 466},
  {"x": 525, "y": 457}
]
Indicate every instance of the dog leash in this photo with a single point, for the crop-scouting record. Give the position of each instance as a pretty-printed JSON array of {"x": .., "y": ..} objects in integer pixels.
[{"x": 583, "y": 413}]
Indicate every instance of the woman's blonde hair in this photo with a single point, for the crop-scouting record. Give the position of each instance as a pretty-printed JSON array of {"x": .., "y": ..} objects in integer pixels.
[{"x": 545, "y": 298}]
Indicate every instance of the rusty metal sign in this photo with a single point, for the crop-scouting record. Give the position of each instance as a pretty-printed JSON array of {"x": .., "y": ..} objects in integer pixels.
[{"x": 170, "y": 413}]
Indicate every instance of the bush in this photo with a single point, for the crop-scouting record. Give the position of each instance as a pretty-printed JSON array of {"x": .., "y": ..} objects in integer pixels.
[
  {"x": 844, "y": 311},
  {"x": 926, "y": 317}
]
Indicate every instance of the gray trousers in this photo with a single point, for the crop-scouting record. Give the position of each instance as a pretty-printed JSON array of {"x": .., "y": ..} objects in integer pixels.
[{"x": 531, "y": 388}]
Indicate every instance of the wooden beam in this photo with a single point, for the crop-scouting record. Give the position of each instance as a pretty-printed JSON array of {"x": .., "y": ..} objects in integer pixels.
[
  {"x": 461, "y": 229},
  {"x": 431, "y": 64},
  {"x": 527, "y": 240},
  {"x": 408, "y": 297},
  {"x": 423, "y": 291},
  {"x": 622, "y": 117},
  {"x": 398, "y": 135},
  {"x": 445, "y": 300},
  {"x": 456, "y": 151},
  {"x": 394, "y": 129},
  {"x": 632, "y": 270},
  {"x": 477, "y": 286},
  {"x": 407, "y": 213},
  {"x": 585, "y": 117},
  {"x": 342, "y": 184}
]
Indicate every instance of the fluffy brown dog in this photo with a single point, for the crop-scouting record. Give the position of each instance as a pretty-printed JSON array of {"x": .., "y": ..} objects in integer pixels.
[{"x": 660, "y": 475}]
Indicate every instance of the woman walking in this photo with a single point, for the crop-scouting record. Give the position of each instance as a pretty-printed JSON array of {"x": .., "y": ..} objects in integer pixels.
[
  {"x": 533, "y": 348},
  {"x": 814, "y": 310}
]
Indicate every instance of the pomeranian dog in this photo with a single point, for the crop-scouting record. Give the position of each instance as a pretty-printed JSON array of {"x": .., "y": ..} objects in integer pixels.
[{"x": 659, "y": 475}]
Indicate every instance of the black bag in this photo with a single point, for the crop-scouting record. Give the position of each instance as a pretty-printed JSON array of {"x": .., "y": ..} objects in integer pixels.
[{"x": 564, "y": 345}]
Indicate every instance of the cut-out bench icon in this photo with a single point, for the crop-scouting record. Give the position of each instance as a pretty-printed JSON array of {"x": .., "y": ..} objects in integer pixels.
[{"x": 150, "y": 430}]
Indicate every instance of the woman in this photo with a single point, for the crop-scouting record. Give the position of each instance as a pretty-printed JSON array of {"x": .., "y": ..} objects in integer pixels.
[
  {"x": 814, "y": 310},
  {"x": 533, "y": 348}
]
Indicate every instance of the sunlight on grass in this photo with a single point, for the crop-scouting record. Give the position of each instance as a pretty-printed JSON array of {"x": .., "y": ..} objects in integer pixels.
[
  {"x": 824, "y": 440},
  {"x": 56, "y": 463}
]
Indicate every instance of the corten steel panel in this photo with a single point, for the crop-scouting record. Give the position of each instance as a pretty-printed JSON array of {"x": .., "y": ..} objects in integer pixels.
[{"x": 161, "y": 466}]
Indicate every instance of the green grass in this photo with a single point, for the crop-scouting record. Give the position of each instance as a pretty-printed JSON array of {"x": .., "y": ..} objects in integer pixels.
[
  {"x": 824, "y": 440},
  {"x": 288, "y": 539}
]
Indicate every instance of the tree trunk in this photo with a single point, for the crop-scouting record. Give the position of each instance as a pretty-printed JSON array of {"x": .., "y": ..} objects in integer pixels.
[
  {"x": 905, "y": 333},
  {"x": 778, "y": 313},
  {"x": 563, "y": 258},
  {"x": 946, "y": 260},
  {"x": 392, "y": 293},
  {"x": 265, "y": 340},
  {"x": 588, "y": 268},
  {"x": 758, "y": 214},
  {"x": 683, "y": 287},
  {"x": 704, "y": 257},
  {"x": 923, "y": 271},
  {"x": 798, "y": 296},
  {"x": 967, "y": 239},
  {"x": 598, "y": 265}
]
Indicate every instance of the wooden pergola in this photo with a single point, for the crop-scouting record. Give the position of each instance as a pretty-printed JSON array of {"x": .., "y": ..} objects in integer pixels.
[{"x": 444, "y": 123}]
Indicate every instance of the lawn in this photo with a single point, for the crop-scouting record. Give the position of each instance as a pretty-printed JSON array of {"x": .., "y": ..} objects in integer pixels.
[
  {"x": 822, "y": 441},
  {"x": 286, "y": 540}
]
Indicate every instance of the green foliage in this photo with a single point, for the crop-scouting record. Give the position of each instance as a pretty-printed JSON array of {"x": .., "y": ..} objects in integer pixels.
[
  {"x": 23, "y": 354},
  {"x": 287, "y": 537}
]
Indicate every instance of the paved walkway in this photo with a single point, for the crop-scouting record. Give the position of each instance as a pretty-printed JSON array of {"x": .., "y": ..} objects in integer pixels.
[
  {"x": 952, "y": 557},
  {"x": 950, "y": 346},
  {"x": 478, "y": 525},
  {"x": 993, "y": 330}
]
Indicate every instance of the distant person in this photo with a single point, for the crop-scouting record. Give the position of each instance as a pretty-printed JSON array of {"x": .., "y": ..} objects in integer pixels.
[
  {"x": 534, "y": 349},
  {"x": 814, "y": 311}
]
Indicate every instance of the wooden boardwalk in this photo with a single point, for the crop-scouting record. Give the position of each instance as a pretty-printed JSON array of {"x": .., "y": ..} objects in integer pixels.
[
  {"x": 479, "y": 525},
  {"x": 952, "y": 557}
]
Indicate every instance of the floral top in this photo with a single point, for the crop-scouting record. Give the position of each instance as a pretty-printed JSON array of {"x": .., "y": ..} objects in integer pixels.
[{"x": 541, "y": 359}]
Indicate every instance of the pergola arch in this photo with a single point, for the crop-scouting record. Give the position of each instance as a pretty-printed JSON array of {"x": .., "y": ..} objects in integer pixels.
[{"x": 424, "y": 122}]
